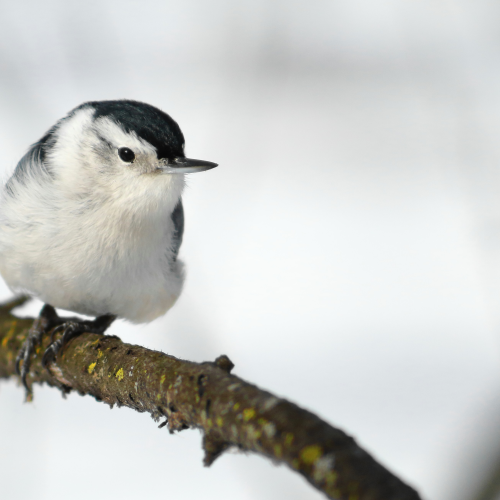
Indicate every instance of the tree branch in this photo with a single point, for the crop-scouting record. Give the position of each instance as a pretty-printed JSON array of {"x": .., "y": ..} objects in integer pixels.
[{"x": 229, "y": 411}]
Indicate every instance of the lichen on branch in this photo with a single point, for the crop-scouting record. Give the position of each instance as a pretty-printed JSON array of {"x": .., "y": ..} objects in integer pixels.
[{"x": 228, "y": 410}]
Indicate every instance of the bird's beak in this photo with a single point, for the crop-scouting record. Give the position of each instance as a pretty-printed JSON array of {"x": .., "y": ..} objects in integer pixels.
[{"x": 186, "y": 166}]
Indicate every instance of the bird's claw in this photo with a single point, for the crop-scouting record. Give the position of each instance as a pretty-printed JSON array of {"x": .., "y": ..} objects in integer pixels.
[
  {"x": 70, "y": 329},
  {"x": 47, "y": 321},
  {"x": 24, "y": 355}
]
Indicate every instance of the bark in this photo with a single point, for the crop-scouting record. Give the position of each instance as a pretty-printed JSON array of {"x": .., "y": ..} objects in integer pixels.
[{"x": 228, "y": 410}]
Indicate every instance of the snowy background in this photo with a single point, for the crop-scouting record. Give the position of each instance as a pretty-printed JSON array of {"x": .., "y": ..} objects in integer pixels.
[{"x": 345, "y": 254}]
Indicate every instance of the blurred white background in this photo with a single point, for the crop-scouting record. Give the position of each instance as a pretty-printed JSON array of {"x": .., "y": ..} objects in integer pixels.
[{"x": 345, "y": 254}]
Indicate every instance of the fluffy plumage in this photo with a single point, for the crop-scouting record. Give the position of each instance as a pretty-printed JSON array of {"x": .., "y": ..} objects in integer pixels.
[{"x": 85, "y": 231}]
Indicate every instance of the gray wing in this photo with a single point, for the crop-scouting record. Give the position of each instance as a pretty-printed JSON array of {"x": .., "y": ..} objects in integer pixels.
[
  {"x": 30, "y": 165},
  {"x": 33, "y": 163},
  {"x": 178, "y": 220}
]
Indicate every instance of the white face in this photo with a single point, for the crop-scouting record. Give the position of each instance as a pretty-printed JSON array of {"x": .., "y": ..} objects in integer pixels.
[
  {"x": 120, "y": 149},
  {"x": 92, "y": 158}
]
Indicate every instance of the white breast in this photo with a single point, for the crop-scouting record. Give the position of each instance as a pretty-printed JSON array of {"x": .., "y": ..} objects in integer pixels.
[{"x": 97, "y": 255}]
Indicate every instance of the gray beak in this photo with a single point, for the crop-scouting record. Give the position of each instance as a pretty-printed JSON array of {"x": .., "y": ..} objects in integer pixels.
[{"x": 186, "y": 166}]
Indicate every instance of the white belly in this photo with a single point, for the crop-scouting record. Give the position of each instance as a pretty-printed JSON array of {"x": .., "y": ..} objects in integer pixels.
[{"x": 96, "y": 266}]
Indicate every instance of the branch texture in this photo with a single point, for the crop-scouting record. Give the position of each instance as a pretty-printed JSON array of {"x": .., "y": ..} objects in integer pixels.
[{"x": 228, "y": 410}]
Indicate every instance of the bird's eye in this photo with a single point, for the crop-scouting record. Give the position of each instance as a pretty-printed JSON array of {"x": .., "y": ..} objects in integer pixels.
[{"x": 126, "y": 155}]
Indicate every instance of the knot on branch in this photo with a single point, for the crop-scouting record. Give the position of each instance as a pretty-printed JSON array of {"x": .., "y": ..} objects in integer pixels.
[
  {"x": 224, "y": 363},
  {"x": 214, "y": 446}
]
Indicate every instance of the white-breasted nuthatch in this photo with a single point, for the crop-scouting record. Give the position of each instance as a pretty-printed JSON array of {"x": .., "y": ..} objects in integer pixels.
[{"x": 92, "y": 220}]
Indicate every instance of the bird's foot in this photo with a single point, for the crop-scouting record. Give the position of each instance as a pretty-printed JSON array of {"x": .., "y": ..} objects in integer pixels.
[
  {"x": 49, "y": 320},
  {"x": 71, "y": 329}
]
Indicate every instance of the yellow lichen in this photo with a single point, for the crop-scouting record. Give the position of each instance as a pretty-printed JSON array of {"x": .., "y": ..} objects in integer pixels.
[
  {"x": 9, "y": 333},
  {"x": 100, "y": 354},
  {"x": 288, "y": 439},
  {"x": 236, "y": 406},
  {"x": 91, "y": 367},
  {"x": 158, "y": 396},
  {"x": 248, "y": 413},
  {"x": 119, "y": 374},
  {"x": 220, "y": 422},
  {"x": 310, "y": 454},
  {"x": 253, "y": 433},
  {"x": 331, "y": 477},
  {"x": 163, "y": 377}
]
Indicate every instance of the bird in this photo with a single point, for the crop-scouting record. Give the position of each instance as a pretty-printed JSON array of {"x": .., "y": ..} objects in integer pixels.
[{"x": 91, "y": 221}]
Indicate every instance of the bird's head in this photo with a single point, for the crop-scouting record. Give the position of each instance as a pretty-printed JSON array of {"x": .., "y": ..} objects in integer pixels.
[{"x": 120, "y": 149}]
